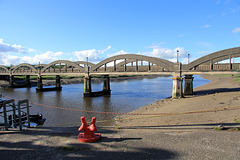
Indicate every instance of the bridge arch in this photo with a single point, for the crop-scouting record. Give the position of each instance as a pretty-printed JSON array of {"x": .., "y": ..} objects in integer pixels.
[
  {"x": 167, "y": 65},
  {"x": 215, "y": 57},
  {"x": 40, "y": 66},
  {"x": 85, "y": 63},
  {"x": 66, "y": 62},
  {"x": 4, "y": 69},
  {"x": 24, "y": 65}
]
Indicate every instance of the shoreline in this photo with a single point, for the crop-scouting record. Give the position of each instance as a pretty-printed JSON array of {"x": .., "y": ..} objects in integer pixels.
[
  {"x": 4, "y": 83},
  {"x": 220, "y": 92}
]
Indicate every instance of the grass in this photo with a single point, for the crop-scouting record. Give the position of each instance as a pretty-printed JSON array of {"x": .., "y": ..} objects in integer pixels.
[
  {"x": 237, "y": 120},
  {"x": 221, "y": 128},
  {"x": 236, "y": 76},
  {"x": 234, "y": 129},
  {"x": 218, "y": 128},
  {"x": 228, "y": 75}
]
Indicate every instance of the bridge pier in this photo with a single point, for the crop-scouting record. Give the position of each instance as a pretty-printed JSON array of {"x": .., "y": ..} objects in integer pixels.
[
  {"x": 39, "y": 83},
  {"x": 87, "y": 86},
  {"x": 58, "y": 82},
  {"x": 188, "y": 88},
  {"x": 11, "y": 81},
  {"x": 28, "y": 82},
  {"x": 177, "y": 91},
  {"x": 106, "y": 85},
  {"x": 56, "y": 88}
]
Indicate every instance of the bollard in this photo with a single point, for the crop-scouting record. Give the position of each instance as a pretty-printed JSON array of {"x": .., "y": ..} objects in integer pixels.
[{"x": 88, "y": 135}]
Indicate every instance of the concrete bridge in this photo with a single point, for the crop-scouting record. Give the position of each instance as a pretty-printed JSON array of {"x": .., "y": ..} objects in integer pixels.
[{"x": 128, "y": 64}]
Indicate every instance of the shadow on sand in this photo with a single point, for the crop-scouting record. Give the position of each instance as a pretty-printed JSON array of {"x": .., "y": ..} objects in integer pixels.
[
  {"x": 187, "y": 126},
  {"x": 217, "y": 90},
  {"x": 105, "y": 148}
]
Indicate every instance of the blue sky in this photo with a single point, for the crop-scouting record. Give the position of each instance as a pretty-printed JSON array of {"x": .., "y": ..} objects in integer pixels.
[{"x": 33, "y": 31}]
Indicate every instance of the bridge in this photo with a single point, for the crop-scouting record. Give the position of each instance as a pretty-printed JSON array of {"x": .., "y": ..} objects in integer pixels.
[{"x": 128, "y": 64}]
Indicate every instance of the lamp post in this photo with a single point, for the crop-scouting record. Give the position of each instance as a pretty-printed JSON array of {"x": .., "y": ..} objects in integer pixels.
[
  {"x": 39, "y": 68},
  {"x": 188, "y": 57},
  {"x": 177, "y": 55},
  {"x": 87, "y": 61},
  {"x": 87, "y": 67}
]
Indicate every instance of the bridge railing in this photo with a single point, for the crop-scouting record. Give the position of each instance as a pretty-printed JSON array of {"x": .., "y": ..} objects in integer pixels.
[
  {"x": 63, "y": 70},
  {"x": 145, "y": 68},
  {"x": 219, "y": 67}
]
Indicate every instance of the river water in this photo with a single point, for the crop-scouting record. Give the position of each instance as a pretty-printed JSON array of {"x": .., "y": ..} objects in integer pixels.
[{"x": 126, "y": 96}]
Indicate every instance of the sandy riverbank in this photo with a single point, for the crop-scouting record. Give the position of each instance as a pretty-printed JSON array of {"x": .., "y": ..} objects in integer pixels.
[
  {"x": 221, "y": 92},
  {"x": 174, "y": 137}
]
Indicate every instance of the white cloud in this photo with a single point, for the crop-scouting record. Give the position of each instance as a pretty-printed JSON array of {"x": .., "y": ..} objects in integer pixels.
[
  {"x": 109, "y": 47},
  {"x": 44, "y": 58},
  {"x": 32, "y": 50},
  {"x": 166, "y": 53},
  {"x": 4, "y": 47},
  {"x": 58, "y": 54},
  {"x": 236, "y": 30},
  {"x": 9, "y": 56},
  {"x": 92, "y": 54},
  {"x": 9, "y": 60}
]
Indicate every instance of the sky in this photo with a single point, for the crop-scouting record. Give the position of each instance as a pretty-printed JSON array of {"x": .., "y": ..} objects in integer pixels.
[{"x": 42, "y": 31}]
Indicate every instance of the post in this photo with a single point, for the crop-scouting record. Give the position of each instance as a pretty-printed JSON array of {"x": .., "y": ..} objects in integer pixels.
[
  {"x": 106, "y": 85},
  {"x": 5, "y": 116},
  {"x": 177, "y": 55},
  {"x": 20, "y": 114},
  {"x": 188, "y": 88},
  {"x": 39, "y": 83},
  {"x": 125, "y": 65},
  {"x": 114, "y": 67},
  {"x": 28, "y": 83},
  {"x": 136, "y": 65},
  {"x": 58, "y": 82},
  {"x": 177, "y": 87},
  {"x": 87, "y": 86},
  {"x": 11, "y": 81},
  {"x": 211, "y": 65},
  {"x": 230, "y": 62}
]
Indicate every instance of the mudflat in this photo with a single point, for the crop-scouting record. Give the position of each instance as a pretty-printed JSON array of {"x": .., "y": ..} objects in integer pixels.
[{"x": 184, "y": 131}]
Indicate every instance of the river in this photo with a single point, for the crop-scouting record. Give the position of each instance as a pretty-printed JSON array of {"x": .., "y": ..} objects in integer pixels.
[{"x": 126, "y": 96}]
